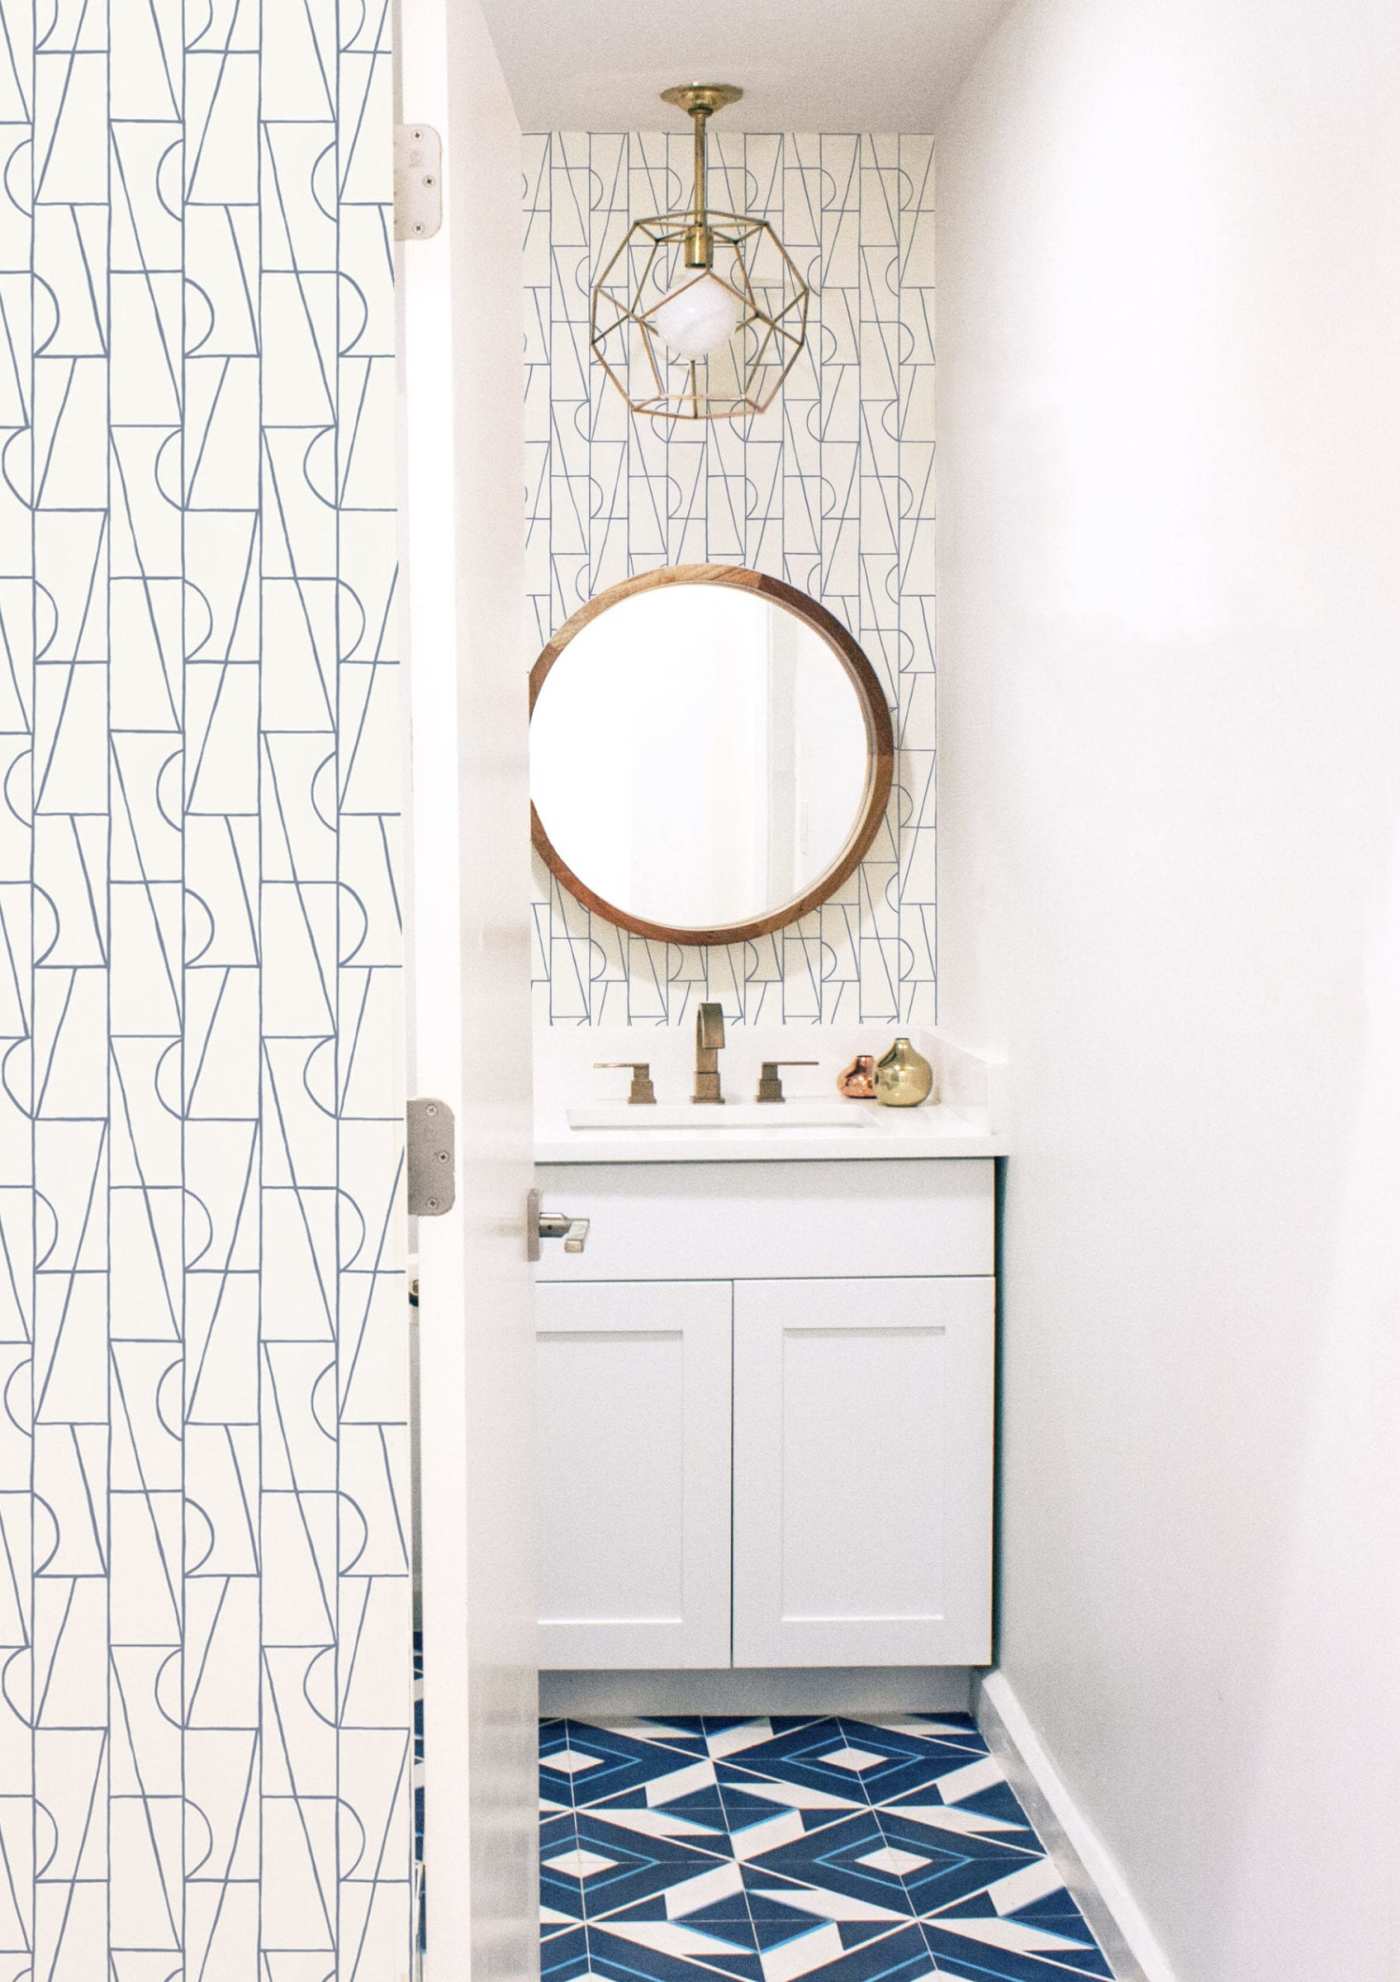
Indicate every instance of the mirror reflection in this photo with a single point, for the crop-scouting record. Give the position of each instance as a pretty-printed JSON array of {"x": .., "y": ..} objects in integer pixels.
[{"x": 699, "y": 756}]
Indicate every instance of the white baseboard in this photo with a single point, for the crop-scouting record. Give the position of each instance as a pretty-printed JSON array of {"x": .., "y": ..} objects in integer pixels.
[
  {"x": 1089, "y": 1868},
  {"x": 793, "y": 1690}
]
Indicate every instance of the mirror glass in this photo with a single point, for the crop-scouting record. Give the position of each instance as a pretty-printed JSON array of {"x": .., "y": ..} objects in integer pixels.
[{"x": 699, "y": 756}]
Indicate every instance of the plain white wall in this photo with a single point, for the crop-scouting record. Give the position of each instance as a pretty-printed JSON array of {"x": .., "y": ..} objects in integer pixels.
[{"x": 1169, "y": 632}]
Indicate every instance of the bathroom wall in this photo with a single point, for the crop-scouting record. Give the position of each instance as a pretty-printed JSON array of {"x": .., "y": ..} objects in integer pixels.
[
  {"x": 831, "y": 489},
  {"x": 205, "y": 1681},
  {"x": 1169, "y": 446}
]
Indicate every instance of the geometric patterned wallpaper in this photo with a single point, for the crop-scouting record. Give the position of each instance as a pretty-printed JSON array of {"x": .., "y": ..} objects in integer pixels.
[
  {"x": 205, "y": 1597},
  {"x": 831, "y": 489}
]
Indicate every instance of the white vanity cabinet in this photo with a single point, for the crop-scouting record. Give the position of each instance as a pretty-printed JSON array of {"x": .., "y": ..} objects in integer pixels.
[{"x": 766, "y": 1395}]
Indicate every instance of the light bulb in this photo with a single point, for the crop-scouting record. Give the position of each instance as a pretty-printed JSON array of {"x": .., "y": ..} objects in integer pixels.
[{"x": 697, "y": 319}]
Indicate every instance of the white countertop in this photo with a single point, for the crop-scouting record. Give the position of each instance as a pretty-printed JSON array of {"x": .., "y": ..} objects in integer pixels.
[
  {"x": 933, "y": 1130},
  {"x": 971, "y": 1119}
]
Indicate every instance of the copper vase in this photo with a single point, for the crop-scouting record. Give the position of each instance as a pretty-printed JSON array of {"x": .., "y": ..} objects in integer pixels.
[{"x": 857, "y": 1081}]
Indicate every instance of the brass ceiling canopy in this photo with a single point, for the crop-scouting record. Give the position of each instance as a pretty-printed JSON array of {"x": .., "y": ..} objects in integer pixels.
[
  {"x": 699, "y": 315},
  {"x": 704, "y": 97}
]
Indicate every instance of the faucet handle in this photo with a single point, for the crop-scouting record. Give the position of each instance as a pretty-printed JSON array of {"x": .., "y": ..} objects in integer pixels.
[
  {"x": 641, "y": 1088},
  {"x": 770, "y": 1086}
]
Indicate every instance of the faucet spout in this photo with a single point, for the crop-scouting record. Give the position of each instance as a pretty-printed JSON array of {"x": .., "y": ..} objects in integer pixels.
[{"x": 709, "y": 1038}]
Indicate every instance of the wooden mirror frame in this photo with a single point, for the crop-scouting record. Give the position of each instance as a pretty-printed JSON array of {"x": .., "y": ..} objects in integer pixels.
[{"x": 879, "y": 734}]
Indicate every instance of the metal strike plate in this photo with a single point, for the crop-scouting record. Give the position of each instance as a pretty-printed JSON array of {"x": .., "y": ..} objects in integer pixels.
[
  {"x": 417, "y": 182},
  {"x": 432, "y": 1171}
]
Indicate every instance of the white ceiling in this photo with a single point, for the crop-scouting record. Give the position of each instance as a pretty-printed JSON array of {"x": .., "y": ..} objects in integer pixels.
[{"x": 804, "y": 65}]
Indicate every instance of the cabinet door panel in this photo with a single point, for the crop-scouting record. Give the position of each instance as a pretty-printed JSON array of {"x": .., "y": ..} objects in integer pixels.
[
  {"x": 862, "y": 1472},
  {"x": 634, "y": 1404}
]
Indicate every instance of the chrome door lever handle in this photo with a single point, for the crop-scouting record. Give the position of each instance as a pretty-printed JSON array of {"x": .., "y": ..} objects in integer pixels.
[
  {"x": 559, "y": 1225},
  {"x": 551, "y": 1225}
]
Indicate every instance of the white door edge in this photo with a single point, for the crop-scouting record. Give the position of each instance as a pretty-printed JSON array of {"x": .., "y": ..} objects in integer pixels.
[
  {"x": 483, "y": 1920},
  {"x": 434, "y": 1018}
]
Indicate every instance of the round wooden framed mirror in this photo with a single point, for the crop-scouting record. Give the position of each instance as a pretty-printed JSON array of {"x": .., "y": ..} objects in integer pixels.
[{"x": 711, "y": 754}]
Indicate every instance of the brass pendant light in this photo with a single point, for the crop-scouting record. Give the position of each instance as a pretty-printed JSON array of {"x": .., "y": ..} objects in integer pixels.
[{"x": 699, "y": 315}]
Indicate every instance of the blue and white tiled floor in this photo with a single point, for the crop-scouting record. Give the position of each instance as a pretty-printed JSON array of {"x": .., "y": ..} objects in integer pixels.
[
  {"x": 420, "y": 1889},
  {"x": 772, "y": 1850}
]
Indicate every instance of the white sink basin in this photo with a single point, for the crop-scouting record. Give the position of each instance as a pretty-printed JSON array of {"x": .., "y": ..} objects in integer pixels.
[{"x": 728, "y": 1115}]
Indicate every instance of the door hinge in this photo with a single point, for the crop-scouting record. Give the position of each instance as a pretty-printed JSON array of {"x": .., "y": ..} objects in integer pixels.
[
  {"x": 417, "y": 182},
  {"x": 432, "y": 1166}
]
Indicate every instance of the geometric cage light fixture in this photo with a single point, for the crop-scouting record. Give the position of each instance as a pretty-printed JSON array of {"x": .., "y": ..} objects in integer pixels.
[{"x": 699, "y": 315}]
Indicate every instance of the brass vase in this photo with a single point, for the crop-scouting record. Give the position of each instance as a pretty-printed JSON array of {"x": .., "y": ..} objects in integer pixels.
[{"x": 903, "y": 1077}]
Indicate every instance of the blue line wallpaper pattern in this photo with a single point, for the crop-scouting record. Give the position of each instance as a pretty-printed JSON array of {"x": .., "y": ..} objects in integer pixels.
[
  {"x": 205, "y": 1591},
  {"x": 831, "y": 489}
]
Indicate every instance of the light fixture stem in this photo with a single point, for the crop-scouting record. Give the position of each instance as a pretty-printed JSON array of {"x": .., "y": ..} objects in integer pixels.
[
  {"x": 700, "y": 120},
  {"x": 699, "y": 241}
]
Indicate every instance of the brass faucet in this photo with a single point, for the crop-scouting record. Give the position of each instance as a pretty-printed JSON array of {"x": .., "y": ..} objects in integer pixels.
[{"x": 709, "y": 1037}]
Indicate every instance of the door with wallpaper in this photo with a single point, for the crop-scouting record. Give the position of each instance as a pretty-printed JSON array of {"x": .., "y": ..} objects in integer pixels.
[{"x": 205, "y": 1580}]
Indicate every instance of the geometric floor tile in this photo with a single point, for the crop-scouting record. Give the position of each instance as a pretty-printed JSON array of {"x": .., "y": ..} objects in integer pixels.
[
  {"x": 420, "y": 1888},
  {"x": 794, "y": 1849}
]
